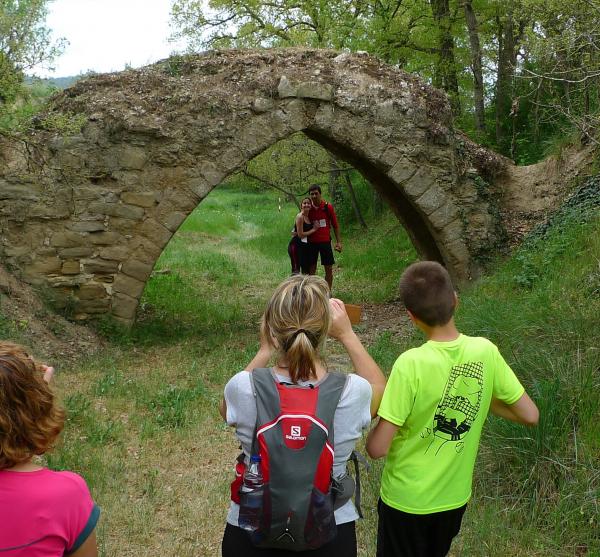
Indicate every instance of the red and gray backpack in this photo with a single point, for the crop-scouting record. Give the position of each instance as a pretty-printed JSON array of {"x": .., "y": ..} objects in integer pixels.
[{"x": 294, "y": 438}]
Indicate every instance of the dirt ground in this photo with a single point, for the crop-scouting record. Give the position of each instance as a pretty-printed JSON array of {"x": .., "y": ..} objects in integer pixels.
[{"x": 47, "y": 335}]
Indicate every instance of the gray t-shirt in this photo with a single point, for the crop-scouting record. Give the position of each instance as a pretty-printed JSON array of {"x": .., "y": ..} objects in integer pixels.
[{"x": 351, "y": 417}]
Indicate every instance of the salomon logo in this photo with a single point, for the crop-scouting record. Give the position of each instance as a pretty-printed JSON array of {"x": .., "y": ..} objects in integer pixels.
[{"x": 296, "y": 434}]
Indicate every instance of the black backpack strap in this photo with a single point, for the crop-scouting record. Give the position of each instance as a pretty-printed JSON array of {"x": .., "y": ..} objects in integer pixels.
[{"x": 358, "y": 458}]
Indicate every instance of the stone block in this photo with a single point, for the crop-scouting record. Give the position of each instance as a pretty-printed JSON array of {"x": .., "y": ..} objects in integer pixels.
[
  {"x": 120, "y": 210},
  {"x": 156, "y": 232},
  {"x": 87, "y": 193},
  {"x": 123, "y": 306},
  {"x": 139, "y": 199},
  {"x": 453, "y": 232},
  {"x": 443, "y": 216},
  {"x": 87, "y": 226},
  {"x": 211, "y": 172},
  {"x": 21, "y": 192},
  {"x": 56, "y": 210},
  {"x": 419, "y": 183},
  {"x": 106, "y": 238},
  {"x": 100, "y": 266},
  {"x": 173, "y": 221},
  {"x": 136, "y": 269},
  {"x": 118, "y": 253},
  {"x": 66, "y": 239},
  {"x": 390, "y": 157},
  {"x": 296, "y": 116},
  {"x": 431, "y": 200},
  {"x": 285, "y": 88},
  {"x": 91, "y": 291},
  {"x": 199, "y": 186},
  {"x": 67, "y": 281},
  {"x": 44, "y": 266},
  {"x": 131, "y": 157},
  {"x": 74, "y": 253},
  {"x": 261, "y": 104},
  {"x": 314, "y": 90},
  {"x": 16, "y": 251},
  {"x": 402, "y": 171},
  {"x": 128, "y": 285},
  {"x": 71, "y": 268}
]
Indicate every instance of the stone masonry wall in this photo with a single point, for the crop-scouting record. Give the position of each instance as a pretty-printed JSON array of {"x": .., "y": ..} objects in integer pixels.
[{"x": 86, "y": 216}]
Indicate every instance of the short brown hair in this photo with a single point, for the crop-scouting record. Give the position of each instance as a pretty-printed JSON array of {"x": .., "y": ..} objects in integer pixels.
[
  {"x": 427, "y": 292},
  {"x": 30, "y": 421},
  {"x": 298, "y": 318}
]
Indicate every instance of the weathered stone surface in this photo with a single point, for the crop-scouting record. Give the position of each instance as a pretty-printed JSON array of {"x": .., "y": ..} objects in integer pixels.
[
  {"x": 118, "y": 253},
  {"x": 318, "y": 91},
  {"x": 44, "y": 266},
  {"x": 17, "y": 251},
  {"x": 131, "y": 157},
  {"x": 285, "y": 89},
  {"x": 140, "y": 199},
  {"x": 70, "y": 268},
  {"x": 174, "y": 220},
  {"x": 431, "y": 200},
  {"x": 136, "y": 269},
  {"x": 128, "y": 285},
  {"x": 156, "y": 232},
  {"x": 123, "y": 306},
  {"x": 418, "y": 184},
  {"x": 87, "y": 226},
  {"x": 99, "y": 266},
  {"x": 67, "y": 239},
  {"x": 120, "y": 210},
  {"x": 91, "y": 291},
  {"x": 105, "y": 238},
  {"x": 402, "y": 171},
  {"x": 72, "y": 253},
  {"x": 447, "y": 213},
  {"x": 261, "y": 105}
]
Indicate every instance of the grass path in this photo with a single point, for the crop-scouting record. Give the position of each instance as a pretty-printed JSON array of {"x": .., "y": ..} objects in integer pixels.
[{"x": 143, "y": 424}]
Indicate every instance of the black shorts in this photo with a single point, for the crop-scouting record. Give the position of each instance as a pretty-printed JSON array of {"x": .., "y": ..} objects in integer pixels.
[
  {"x": 323, "y": 248},
  {"x": 236, "y": 543},
  {"x": 401, "y": 534}
]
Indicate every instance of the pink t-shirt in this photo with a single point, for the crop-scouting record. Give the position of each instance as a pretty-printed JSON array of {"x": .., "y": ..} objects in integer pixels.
[{"x": 44, "y": 513}]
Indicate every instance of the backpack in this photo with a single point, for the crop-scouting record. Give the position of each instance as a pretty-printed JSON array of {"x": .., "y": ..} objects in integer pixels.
[{"x": 294, "y": 438}]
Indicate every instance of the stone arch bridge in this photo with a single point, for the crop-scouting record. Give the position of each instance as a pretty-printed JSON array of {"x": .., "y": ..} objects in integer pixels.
[{"x": 88, "y": 212}]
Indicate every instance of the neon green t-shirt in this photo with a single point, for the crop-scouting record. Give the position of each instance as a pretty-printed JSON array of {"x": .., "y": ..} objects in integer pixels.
[{"x": 439, "y": 394}]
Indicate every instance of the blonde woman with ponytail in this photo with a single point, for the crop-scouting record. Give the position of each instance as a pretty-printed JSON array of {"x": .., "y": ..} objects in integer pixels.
[{"x": 297, "y": 321}]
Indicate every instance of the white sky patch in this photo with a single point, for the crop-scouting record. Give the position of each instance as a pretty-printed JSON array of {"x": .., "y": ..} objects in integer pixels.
[{"x": 108, "y": 35}]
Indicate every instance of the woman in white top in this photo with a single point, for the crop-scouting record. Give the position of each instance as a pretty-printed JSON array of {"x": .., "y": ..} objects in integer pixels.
[{"x": 295, "y": 325}]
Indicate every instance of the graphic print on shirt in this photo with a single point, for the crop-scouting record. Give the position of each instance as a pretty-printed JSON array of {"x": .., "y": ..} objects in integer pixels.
[{"x": 458, "y": 407}]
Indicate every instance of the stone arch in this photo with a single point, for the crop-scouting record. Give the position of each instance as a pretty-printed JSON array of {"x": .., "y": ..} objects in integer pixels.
[{"x": 87, "y": 214}]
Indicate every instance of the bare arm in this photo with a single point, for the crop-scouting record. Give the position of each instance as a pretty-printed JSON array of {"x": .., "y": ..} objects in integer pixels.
[
  {"x": 261, "y": 359},
  {"x": 523, "y": 411},
  {"x": 380, "y": 438},
  {"x": 300, "y": 227},
  {"x": 89, "y": 548},
  {"x": 364, "y": 365},
  {"x": 338, "y": 238}
]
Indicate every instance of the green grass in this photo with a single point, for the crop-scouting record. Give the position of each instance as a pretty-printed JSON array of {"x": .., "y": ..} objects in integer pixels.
[{"x": 144, "y": 428}]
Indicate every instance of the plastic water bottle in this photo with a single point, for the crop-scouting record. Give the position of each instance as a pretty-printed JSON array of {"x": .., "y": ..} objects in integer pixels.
[{"x": 251, "y": 496}]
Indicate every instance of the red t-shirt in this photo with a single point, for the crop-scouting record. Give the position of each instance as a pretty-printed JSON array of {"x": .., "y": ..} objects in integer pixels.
[
  {"x": 326, "y": 219},
  {"x": 44, "y": 513}
]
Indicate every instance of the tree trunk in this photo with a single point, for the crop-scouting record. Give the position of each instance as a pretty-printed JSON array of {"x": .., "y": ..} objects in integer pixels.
[
  {"x": 508, "y": 47},
  {"x": 445, "y": 71},
  {"x": 476, "y": 65},
  {"x": 334, "y": 173},
  {"x": 354, "y": 201}
]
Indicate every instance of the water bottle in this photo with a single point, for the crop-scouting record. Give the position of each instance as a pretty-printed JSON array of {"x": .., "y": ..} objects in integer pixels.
[{"x": 251, "y": 496}]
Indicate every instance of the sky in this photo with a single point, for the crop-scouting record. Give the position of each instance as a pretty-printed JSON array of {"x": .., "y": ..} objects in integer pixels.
[{"x": 107, "y": 35}]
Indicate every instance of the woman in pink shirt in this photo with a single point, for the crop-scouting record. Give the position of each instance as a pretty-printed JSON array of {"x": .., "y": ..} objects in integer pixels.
[{"x": 42, "y": 513}]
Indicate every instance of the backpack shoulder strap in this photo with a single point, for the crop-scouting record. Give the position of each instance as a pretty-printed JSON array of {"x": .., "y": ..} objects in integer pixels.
[
  {"x": 330, "y": 392},
  {"x": 265, "y": 393}
]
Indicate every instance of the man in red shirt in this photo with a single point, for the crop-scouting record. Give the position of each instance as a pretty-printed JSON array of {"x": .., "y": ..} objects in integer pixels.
[{"x": 322, "y": 215}]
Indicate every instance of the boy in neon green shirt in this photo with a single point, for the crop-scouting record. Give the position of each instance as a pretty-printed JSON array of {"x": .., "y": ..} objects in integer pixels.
[{"x": 430, "y": 419}]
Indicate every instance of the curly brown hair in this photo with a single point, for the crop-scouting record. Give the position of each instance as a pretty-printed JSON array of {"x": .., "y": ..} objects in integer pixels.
[{"x": 30, "y": 420}]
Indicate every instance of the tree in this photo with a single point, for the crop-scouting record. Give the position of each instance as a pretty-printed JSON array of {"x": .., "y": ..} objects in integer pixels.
[{"x": 24, "y": 43}]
